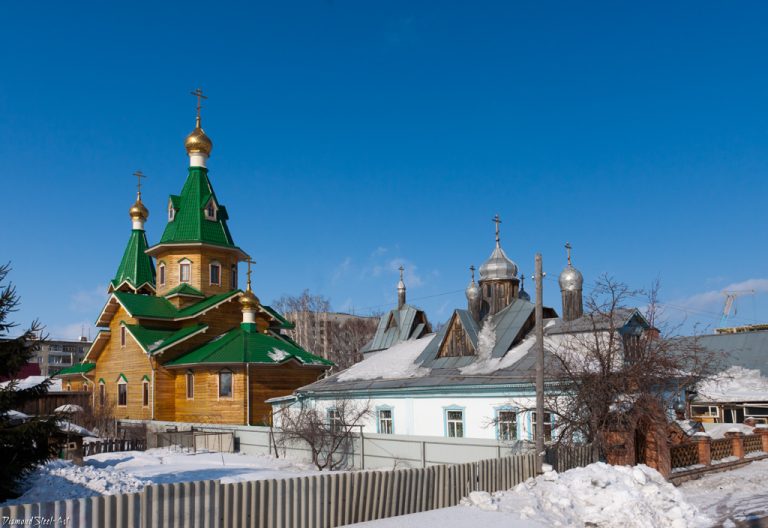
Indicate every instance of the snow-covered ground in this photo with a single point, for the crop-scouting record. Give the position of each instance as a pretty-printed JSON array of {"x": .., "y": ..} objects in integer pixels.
[
  {"x": 606, "y": 496},
  {"x": 130, "y": 471}
]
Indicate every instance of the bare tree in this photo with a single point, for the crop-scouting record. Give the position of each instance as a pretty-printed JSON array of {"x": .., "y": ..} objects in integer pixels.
[
  {"x": 329, "y": 435},
  {"x": 604, "y": 367}
]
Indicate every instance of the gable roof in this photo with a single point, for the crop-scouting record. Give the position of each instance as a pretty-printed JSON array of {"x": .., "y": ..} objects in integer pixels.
[
  {"x": 79, "y": 368},
  {"x": 154, "y": 307},
  {"x": 189, "y": 223},
  {"x": 396, "y": 326},
  {"x": 184, "y": 289},
  {"x": 245, "y": 344},
  {"x": 136, "y": 267},
  {"x": 156, "y": 341}
]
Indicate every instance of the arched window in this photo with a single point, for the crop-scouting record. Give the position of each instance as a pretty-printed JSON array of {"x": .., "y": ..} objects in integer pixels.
[
  {"x": 122, "y": 391},
  {"x": 171, "y": 212},
  {"x": 185, "y": 270},
  {"x": 161, "y": 274},
  {"x": 215, "y": 273},
  {"x": 210, "y": 210}
]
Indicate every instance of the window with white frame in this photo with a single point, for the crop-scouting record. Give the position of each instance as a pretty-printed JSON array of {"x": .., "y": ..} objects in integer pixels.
[
  {"x": 705, "y": 411},
  {"x": 171, "y": 212},
  {"x": 454, "y": 423},
  {"x": 210, "y": 211},
  {"x": 215, "y": 273},
  {"x": 161, "y": 274},
  {"x": 507, "y": 424},
  {"x": 122, "y": 393},
  {"x": 547, "y": 425},
  {"x": 225, "y": 384},
  {"x": 190, "y": 385},
  {"x": 334, "y": 420},
  {"x": 233, "y": 276},
  {"x": 185, "y": 271},
  {"x": 386, "y": 425}
]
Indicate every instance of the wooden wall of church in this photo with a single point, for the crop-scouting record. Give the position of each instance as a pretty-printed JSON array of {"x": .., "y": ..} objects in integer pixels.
[
  {"x": 200, "y": 271},
  {"x": 271, "y": 381},
  {"x": 206, "y": 406},
  {"x": 129, "y": 360},
  {"x": 456, "y": 342}
]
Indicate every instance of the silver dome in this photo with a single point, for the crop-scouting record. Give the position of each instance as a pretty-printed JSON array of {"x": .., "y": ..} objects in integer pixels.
[
  {"x": 571, "y": 279},
  {"x": 522, "y": 294},
  {"x": 498, "y": 266},
  {"x": 473, "y": 291}
]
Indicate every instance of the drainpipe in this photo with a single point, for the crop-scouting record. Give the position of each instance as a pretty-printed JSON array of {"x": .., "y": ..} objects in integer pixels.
[
  {"x": 153, "y": 365},
  {"x": 247, "y": 394}
]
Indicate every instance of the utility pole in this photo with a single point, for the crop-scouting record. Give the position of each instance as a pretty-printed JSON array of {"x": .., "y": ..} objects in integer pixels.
[{"x": 539, "y": 315}]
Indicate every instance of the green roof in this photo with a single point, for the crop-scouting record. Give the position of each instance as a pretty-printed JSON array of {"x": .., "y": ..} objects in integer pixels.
[
  {"x": 151, "y": 306},
  {"x": 184, "y": 289},
  {"x": 284, "y": 323},
  {"x": 245, "y": 344},
  {"x": 136, "y": 267},
  {"x": 80, "y": 368},
  {"x": 154, "y": 340},
  {"x": 189, "y": 223}
]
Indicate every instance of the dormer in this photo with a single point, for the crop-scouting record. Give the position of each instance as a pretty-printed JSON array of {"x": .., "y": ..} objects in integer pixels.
[
  {"x": 211, "y": 210},
  {"x": 173, "y": 208}
]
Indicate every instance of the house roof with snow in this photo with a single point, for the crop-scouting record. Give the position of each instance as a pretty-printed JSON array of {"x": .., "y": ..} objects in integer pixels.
[
  {"x": 398, "y": 325},
  {"x": 743, "y": 349}
]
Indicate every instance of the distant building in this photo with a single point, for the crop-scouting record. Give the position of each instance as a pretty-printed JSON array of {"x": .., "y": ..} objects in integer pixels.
[
  {"x": 57, "y": 354},
  {"x": 332, "y": 335}
]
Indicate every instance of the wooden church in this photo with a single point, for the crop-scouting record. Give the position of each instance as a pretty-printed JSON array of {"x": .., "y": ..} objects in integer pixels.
[{"x": 178, "y": 340}]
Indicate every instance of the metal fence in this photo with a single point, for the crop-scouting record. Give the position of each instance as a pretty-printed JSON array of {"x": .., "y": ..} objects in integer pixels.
[
  {"x": 318, "y": 501},
  {"x": 193, "y": 440},
  {"x": 112, "y": 445}
]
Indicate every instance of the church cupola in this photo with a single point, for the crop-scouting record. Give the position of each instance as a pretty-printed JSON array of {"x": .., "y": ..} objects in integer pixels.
[
  {"x": 198, "y": 144},
  {"x": 250, "y": 306},
  {"x": 473, "y": 296},
  {"x": 571, "y": 286},
  {"x": 498, "y": 279},
  {"x": 401, "y": 290},
  {"x": 136, "y": 273},
  {"x": 522, "y": 294}
]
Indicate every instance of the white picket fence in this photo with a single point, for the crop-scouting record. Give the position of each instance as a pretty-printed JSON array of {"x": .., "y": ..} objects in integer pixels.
[{"x": 318, "y": 501}]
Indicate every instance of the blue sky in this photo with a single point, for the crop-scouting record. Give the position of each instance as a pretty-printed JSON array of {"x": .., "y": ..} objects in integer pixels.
[{"x": 351, "y": 137}]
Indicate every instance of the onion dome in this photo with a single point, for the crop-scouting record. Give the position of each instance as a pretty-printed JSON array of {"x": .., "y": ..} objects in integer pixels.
[
  {"x": 570, "y": 279},
  {"x": 473, "y": 290},
  {"x": 249, "y": 301},
  {"x": 197, "y": 141},
  {"x": 138, "y": 211},
  {"x": 498, "y": 266}
]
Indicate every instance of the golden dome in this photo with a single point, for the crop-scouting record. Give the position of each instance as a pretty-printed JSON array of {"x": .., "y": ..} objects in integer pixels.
[
  {"x": 197, "y": 141},
  {"x": 249, "y": 301},
  {"x": 138, "y": 211}
]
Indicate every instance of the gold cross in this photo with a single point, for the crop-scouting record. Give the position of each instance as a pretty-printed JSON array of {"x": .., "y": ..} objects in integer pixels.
[
  {"x": 139, "y": 175},
  {"x": 568, "y": 249},
  {"x": 199, "y": 94},
  {"x": 249, "y": 261},
  {"x": 497, "y": 221}
]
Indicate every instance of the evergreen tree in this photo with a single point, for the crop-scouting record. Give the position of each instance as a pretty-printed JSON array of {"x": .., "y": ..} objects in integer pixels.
[{"x": 23, "y": 443}]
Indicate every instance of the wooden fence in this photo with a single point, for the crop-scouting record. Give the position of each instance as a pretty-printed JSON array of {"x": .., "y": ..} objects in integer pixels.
[
  {"x": 318, "y": 501},
  {"x": 113, "y": 445}
]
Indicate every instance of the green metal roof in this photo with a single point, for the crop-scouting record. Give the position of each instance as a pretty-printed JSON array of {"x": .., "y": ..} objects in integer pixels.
[
  {"x": 154, "y": 340},
  {"x": 245, "y": 344},
  {"x": 136, "y": 267},
  {"x": 80, "y": 368},
  {"x": 184, "y": 289},
  {"x": 151, "y": 306},
  {"x": 189, "y": 223},
  {"x": 284, "y": 323}
]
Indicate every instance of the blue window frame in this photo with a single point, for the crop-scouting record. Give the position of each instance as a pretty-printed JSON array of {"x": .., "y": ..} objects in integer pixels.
[
  {"x": 385, "y": 420},
  {"x": 454, "y": 421}
]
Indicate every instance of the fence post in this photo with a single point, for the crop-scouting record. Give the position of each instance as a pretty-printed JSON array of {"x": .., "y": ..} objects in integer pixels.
[
  {"x": 737, "y": 443},
  {"x": 703, "y": 446},
  {"x": 362, "y": 448},
  {"x": 424, "y": 453},
  {"x": 762, "y": 432}
]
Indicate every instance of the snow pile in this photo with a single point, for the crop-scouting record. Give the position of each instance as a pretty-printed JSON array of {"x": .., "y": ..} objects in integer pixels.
[
  {"x": 734, "y": 384},
  {"x": 486, "y": 366},
  {"x": 599, "y": 495},
  {"x": 278, "y": 355},
  {"x": 33, "y": 381},
  {"x": 486, "y": 340},
  {"x": 61, "y": 479},
  {"x": 716, "y": 430},
  {"x": 396, "y": 362}
]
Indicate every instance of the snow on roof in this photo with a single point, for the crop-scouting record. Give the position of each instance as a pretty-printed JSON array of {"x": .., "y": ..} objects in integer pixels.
[
  {"x": 734, "y": 384},
  {"x": 74, "y": 429},
  {"x": 718, "y": 430},
  {"x": 396, "y": 362},
  {"x": 491, "y": 364},
  {"x": 33, "y": 381}
]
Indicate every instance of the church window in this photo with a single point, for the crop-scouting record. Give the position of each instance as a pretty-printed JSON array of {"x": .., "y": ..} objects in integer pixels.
[
  {"x": 233, "y": 277},
  {"x": 69, "y": 386},
  {"x": 102, "y": 394},
  {"x": 215, "y": 273},
  {"x": 145, "y": 393},
  {"x": 171, "y": 212},
  {"x": 161, "y": 273},
  {"x": 122, "y": 393},
  {"x": 210, "y": 211},
  {"x": 454, "y": 422},
  {"x": 122, "y": 336},
  {"x": 190, "y": 385},
  {"x": 225, "y": 384},
  {"x": 185, "y": 272}
]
